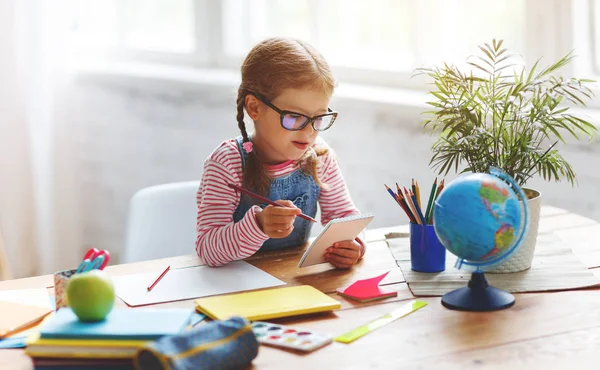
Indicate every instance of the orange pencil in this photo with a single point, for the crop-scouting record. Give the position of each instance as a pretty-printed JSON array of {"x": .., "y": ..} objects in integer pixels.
[
  {"x": 411, "y": 205},
  {"x": 400, "y": 202},
  {"x": 411, "y": 216},
  {"x": 440, "y": 188},
  {"x": 400, "y": 194},
  {"x": 418, "y": 194}
]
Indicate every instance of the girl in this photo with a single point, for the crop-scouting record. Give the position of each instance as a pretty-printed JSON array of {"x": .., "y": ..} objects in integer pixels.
[{"x": 286, "y": 88}]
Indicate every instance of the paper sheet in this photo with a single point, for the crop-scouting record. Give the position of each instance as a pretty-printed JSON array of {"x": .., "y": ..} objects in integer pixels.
[
  {"x": 191, "y": 282},
  {"x": 31, "y": 297}
]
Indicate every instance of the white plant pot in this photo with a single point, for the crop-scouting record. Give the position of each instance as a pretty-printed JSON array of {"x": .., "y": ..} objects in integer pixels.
[{"x": 522, "y": 258}]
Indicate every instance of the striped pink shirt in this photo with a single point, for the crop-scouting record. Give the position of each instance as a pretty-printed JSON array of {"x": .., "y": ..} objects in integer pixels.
[{"x": 221, "y": 240}]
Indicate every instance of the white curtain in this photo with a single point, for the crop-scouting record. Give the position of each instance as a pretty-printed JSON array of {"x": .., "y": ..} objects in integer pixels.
[{"x": 34, "y": 169}]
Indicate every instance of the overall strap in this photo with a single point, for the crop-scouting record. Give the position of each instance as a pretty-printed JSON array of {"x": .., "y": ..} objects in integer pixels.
[{"x": 239, "y": 141}]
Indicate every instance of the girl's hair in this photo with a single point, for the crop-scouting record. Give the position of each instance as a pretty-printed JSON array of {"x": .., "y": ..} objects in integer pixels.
[{"x": 270, "y": 67}]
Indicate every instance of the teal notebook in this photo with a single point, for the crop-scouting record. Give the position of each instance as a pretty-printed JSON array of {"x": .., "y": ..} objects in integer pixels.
[{"x": 133, "y": 324}]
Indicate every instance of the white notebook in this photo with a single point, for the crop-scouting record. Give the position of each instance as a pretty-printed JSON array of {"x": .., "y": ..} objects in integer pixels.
[{"x": 345, "y": 228}]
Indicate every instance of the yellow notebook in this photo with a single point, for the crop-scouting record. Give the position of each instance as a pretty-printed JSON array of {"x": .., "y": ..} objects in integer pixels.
[
  {"x": 267, "y": 304},
  {"x": 82, "y": 348},
  {"x": 16, "y": 317}
]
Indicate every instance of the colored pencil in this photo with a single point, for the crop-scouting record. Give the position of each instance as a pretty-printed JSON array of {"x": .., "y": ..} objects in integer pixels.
[
  {"x": 430, "y": 216},
  {"x": 391, "y": 193},
  {"x": 400, "y": 193},
  {"x": 159, "y": 278},
  {"x": 437, "y": 193},
  {"x": 400, "y": 202},
  {"x": 405, "y": 208},
  {"x": 268, "y": 201},
  {"x": 430, "y": 201},
  {"x": 418, "y": 208},
  {"x": 411, "y": 215},
  {"x": 409, "y": 201},
  {"x": 440, "y": 188},
  {"x": 418, "y": 194}
]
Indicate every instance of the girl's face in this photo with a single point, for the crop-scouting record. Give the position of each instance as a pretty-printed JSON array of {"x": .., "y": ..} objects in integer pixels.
[{"x": 274, "y": 144}]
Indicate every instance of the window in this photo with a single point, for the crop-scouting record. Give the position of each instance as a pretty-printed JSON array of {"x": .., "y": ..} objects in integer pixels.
[
  {"x": 376, "y": 41},
  {"x": 595, "y": 20},
  {"x": 391, "y": 35},
  {"x": 131, "y": 27},
  {"x": 158, "y": 25}
]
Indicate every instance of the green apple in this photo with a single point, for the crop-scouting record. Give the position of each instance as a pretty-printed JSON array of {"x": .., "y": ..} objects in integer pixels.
[{"x": 91, "y": 295}]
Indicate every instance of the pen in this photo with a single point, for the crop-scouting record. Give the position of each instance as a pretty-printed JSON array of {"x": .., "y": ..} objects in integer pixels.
[
  {"x": 160, "y": 277},
  {"x": 268, "y": 201}
]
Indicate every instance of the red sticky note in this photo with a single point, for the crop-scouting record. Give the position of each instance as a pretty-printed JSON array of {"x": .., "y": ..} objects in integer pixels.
[{"x": 367, "y": 290}]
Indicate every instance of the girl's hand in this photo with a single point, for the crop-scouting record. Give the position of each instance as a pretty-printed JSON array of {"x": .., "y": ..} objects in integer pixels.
[
  {"x": 343, "y": 254},
  {"x": 278, "y": 222}
]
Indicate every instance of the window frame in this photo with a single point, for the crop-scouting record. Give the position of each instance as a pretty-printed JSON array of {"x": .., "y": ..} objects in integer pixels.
[{"x": 552, "y": 27}]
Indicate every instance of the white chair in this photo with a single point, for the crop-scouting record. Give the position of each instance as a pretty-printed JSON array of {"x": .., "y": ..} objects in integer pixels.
[{"x": 162, "y": 222}]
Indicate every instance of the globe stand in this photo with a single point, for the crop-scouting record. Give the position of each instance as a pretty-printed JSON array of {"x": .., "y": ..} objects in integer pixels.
[{"x": 478, "y": 296}]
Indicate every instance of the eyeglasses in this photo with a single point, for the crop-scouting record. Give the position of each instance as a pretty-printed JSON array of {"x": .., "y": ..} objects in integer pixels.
[{"x": 294, "y": 121}]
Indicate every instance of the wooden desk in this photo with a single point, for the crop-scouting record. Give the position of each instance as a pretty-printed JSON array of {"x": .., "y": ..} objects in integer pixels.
[{"x": 546, "y": 331}]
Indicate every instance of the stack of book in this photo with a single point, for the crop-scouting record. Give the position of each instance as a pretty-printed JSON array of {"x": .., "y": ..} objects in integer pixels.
[{"x": 64, "y": 342}]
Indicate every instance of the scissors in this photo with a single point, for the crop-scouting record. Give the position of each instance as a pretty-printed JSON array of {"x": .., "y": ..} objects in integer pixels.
[{"x": 94, "y": 259}]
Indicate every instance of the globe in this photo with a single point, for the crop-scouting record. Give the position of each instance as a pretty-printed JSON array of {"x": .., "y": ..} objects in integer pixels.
[{"x": 480, "y": 219}]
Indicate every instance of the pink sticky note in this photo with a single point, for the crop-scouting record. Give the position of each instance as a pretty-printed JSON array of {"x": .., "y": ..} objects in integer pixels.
[{"x": 367, "y": 289}]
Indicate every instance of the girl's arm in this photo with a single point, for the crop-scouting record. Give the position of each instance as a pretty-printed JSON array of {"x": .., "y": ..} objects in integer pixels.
[
  {"x": 221, "y": 240},
  {"x": 335, "y": 200}
]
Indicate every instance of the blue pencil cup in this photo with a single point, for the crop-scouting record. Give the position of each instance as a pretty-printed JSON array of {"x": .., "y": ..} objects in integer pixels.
[{"x": 427, "y": 254}]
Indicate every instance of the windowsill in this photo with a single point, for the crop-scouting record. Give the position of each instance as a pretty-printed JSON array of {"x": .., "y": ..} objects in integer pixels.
[{"x": 154, "y": 76}]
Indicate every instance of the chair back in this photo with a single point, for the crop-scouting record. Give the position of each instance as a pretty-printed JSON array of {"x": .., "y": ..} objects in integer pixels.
[{"x": 161, "y": 222}]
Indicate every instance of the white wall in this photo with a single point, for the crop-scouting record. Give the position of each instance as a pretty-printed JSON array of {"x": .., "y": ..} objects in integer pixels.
[{"x": 125, "y": 136}]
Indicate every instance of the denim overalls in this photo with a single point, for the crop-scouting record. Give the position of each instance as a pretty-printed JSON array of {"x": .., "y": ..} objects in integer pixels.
[{"x": 300, "y": 188}]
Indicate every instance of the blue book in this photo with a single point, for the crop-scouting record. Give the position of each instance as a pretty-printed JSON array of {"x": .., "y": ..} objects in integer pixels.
[{"x": 132, "y": 324}]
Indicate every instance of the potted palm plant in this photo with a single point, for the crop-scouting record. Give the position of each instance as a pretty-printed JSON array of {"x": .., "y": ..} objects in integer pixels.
[{"x": 501, "y": 114}]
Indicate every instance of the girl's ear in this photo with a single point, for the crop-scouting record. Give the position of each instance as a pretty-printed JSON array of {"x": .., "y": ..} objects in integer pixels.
[{"x": 252, "y": 105}]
